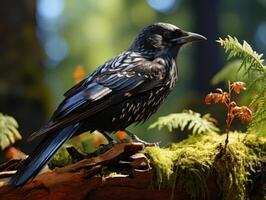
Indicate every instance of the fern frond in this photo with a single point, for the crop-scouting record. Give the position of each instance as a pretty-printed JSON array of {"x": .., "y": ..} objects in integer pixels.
[
  {"x": 259, "y": 118},
  {"x": 187, "y": 119},
  {"x": 250, "y": 59},
  {"x": 254, "y": 70},
  {"x": 8, "y": 131}
]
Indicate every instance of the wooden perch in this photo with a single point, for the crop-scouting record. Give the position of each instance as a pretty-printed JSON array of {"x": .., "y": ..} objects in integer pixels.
[
  {"x": 121, "y": 172},
  {"x": 86, "y": 179}
]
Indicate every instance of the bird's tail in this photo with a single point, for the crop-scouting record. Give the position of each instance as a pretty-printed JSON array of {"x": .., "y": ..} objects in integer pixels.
[{"x": 42, "y": 154}]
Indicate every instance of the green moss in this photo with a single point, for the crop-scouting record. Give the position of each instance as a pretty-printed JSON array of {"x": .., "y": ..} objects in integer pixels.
[
  {"x": 61, "y": 158},
  {"x": 164, "y": 163},
  {"x": 190, "y": 163}
]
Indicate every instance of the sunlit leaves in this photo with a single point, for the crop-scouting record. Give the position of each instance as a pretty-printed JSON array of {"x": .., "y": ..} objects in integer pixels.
[{"x": 8, "y": 131}]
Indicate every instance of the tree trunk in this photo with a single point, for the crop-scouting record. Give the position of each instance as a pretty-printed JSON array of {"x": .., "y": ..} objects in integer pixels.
[{"x": 22, "y": 90}]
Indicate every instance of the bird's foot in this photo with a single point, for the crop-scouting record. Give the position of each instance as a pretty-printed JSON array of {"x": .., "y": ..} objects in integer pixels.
[
  {"x": 135, "y": 138},
  {"x": 146, "y": 144}
]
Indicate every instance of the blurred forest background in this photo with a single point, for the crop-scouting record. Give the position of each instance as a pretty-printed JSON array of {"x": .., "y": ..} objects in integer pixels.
[{"x": 43, "y": 41}]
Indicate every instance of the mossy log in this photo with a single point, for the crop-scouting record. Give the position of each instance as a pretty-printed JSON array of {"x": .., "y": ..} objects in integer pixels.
[
  {"x": 85, "y": 179},
  {"x": 123, "y": 172}
]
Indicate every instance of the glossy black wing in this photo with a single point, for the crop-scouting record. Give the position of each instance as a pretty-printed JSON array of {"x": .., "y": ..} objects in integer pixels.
[
  {"x": 105, "y": 89},
  {"x": 114, "y": 64}
]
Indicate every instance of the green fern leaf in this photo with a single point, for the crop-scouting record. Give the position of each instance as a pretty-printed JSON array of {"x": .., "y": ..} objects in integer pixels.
[
  {"x": 253, "y": 69},
  {"x": 187, "y": 119},
  {"x": 8, "y": 131},
  {"x": 244, "y": 51}
]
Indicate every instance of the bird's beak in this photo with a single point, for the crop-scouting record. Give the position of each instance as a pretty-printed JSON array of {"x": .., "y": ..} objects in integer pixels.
[{"x": 188, "y": 37}]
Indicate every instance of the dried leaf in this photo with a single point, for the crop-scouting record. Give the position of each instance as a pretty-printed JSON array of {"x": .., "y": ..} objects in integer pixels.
[
  {"x": 222, "y": 97},
  {"x": 225, "y": 97},
  {"x": 208, "y": 98},
  {"x": 217, "y": 98},
  {"x": 243, "y": 113},
  {"x": 238, "y": 86}
]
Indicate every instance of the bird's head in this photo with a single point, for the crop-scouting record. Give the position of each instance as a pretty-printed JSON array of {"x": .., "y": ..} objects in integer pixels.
[{"x": 163, "y": 38}]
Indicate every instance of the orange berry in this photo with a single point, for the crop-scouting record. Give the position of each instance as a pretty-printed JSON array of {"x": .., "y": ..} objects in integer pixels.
[{"x": 121, "y": 135}]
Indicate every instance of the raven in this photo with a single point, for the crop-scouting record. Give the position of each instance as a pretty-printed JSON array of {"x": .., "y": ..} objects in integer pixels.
[{"x": 127, "y": 89}]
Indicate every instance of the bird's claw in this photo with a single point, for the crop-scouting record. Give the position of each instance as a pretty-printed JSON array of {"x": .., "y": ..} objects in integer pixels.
[
  {"x": 150, "y": 144},
  {"x": 146, "y": 144}
]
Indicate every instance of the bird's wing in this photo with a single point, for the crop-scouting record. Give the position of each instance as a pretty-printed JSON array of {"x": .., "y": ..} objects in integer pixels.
[
  {"x": 107, "y": 88},
  {"x": 79, "y": 86},
  {"x": 109, "y": 65},
  {"x": 75, "y": 88}
]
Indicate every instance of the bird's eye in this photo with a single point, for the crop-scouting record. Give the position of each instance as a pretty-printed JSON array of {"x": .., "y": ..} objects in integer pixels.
[{"x": 167, "y": 34}]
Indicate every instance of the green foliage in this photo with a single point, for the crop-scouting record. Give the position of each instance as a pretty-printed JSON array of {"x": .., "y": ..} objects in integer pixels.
[
  {"x": 190, "y": 163},
  {"x": 61, "y": 158},
  {"x": 253, "y": 71},
  {"x": 252, "y": 62},
  {"x": 230, "y": 72},
  {"x": 192, "y": 120},
  {"x": 8, "y": 131},
  {"x": 83, "y": 144}
]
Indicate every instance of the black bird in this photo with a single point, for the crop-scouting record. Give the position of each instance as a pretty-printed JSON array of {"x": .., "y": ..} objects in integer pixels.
[{"x": 127, "y": 89}]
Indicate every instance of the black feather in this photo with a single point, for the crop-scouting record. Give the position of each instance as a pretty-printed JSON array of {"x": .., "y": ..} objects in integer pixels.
[{"x": 41, "y": 155}]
